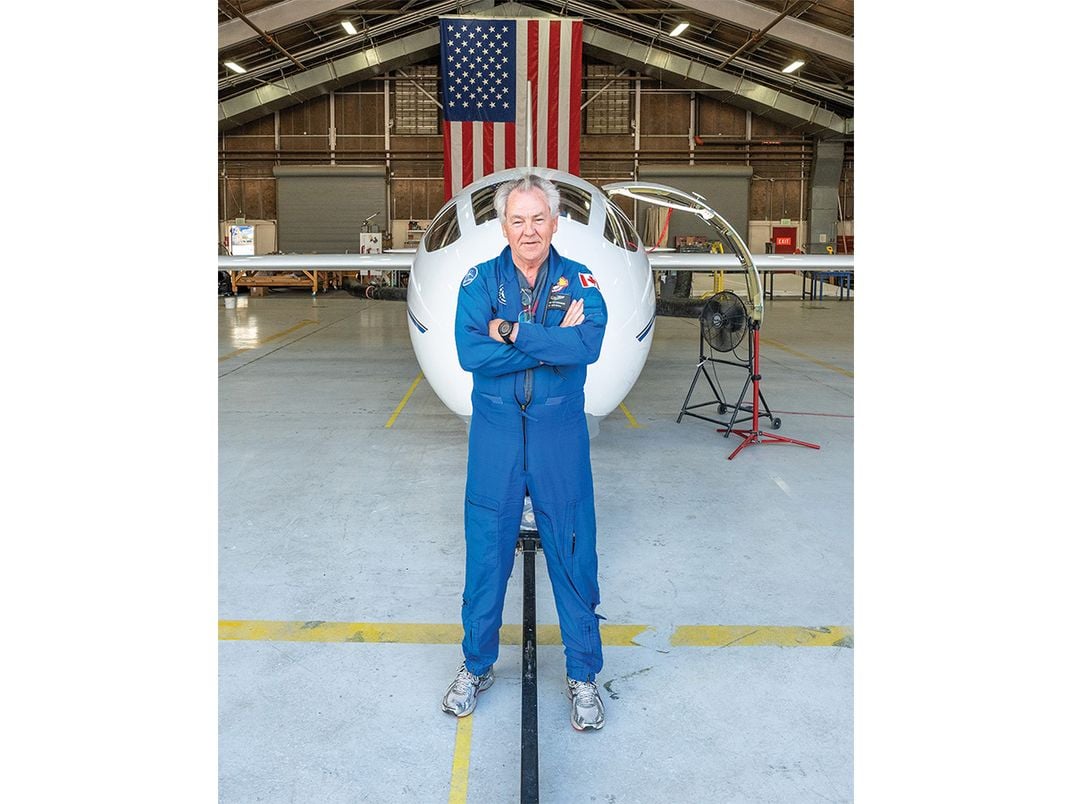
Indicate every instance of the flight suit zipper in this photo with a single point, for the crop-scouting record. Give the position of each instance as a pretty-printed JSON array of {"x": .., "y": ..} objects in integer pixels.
[
  {"x": 528, "y": 382},
  {"x": 524, "y": 440}
]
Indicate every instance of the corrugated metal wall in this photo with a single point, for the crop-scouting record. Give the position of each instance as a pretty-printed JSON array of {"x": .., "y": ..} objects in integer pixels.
[{"x": 321, "y": 207}]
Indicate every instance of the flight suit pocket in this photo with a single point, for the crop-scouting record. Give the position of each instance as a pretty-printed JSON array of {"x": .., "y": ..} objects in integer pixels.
[{"x": 481, "y": 528}]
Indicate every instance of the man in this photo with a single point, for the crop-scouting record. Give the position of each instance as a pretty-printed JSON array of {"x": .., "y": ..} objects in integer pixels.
[{"x": 529, "y": 322}]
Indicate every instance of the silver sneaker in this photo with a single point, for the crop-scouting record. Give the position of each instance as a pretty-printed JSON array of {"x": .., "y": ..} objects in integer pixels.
[
  {"x": 460, "y": 699},
  {"x": 587, "y": 709}
]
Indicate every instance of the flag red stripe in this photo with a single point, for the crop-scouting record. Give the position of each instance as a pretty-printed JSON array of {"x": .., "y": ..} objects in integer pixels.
[
  {"x": 534, "y": 79},
  {"x": 489, "y": 148},
  {"x": 510, "y": 131},
  {"x": 554, "y": 38},
  {"x": 467, "y": 154}
]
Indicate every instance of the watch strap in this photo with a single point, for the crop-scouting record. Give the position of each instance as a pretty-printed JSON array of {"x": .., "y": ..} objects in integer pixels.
[{"x": 504, "y": 332}]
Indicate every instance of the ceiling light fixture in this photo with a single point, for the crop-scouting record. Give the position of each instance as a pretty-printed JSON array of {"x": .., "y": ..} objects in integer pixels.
[
  {"x": 681, "y": 26},
  {"x": 232, "y": 66},
  {"x": 796, "y": 65},
  {"x": 349, "y": 27}
]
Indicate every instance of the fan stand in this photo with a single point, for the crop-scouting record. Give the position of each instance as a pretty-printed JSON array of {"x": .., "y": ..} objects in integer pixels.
[
  {"x": 755, "y": 435},
  {"x": 723, "y": 404}
]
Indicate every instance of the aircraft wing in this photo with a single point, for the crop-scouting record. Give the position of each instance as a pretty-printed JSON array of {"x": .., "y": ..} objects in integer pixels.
[
  {"x": 388, "y": 261},
  {"x": 677, "y": 261},
  {"x": 659, "y": 260}
]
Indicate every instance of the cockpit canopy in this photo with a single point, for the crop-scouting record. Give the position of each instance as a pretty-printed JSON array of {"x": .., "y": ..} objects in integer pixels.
[{"x": 575, "y": 204}]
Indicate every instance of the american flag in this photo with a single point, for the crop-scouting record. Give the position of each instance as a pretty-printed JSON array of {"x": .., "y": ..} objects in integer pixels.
[{"x": 488, "y": 65}]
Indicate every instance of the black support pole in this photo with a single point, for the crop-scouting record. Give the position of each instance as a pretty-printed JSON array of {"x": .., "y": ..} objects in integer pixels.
[{"x": 530, "y": 749}]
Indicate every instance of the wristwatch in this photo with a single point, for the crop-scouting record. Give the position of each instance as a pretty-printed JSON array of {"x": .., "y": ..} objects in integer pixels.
[{"x": 505, "y": 328}]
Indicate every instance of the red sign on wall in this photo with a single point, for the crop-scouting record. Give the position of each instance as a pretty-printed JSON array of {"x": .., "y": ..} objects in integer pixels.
[{"x": 785, "y": 239}]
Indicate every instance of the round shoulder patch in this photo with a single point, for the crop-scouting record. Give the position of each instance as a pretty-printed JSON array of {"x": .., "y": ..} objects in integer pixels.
[{"x": 469, "y": 277}]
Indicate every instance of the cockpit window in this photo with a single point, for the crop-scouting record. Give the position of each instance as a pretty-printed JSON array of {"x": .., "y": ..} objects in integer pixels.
[
  {"x": 444, "y": 229},
  {"x": 619, "y": 229},
  {"x": 484, "y": 204},
  {"x": 574, "y": 203}
]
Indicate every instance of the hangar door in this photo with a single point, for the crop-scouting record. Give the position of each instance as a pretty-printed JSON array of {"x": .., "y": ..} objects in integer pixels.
[
  {"x": 725, "y": 188},
  {"x": 321, "y": 208}
]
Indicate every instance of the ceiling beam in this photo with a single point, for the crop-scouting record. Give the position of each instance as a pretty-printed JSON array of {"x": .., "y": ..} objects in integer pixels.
[
  {"x": 274, "y": 18},
  {"x": 263, "y": 34},
  {"x": 789, "y": 30}
]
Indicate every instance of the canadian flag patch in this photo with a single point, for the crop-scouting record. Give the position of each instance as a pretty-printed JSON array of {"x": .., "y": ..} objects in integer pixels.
[{"x": 588, "y": 281}]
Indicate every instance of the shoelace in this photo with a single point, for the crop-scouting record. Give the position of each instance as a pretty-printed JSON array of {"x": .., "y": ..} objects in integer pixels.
[
  {"x": 463, "y": 679},
  {"x": 585, "y": 692}
]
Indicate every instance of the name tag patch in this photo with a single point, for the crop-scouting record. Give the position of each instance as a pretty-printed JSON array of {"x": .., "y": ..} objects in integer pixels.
[{"x": 558, "y": 301}]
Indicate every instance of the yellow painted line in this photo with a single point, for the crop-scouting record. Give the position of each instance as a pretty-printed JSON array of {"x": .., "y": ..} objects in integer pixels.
[
  {"x": 724, "y": 636},
  {"x": 269, "y": 339},
  {"x": 405, "y": 399},
  {"x": 320, "y": 631},
  {"x": 510, "y": 634},
  {"x": 459, "y": 773},
  {"x": 632, "y": 422},
  {"x": 809, "y": 358}
]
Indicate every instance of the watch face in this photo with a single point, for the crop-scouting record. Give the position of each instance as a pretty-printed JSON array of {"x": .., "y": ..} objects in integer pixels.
[{"x": 505, "y": 327}]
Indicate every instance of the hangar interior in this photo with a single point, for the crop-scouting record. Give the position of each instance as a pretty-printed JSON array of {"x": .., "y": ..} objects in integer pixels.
[{"x": 727, "y": 584}]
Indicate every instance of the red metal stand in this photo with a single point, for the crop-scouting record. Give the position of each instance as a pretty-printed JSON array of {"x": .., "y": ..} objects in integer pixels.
[{"x": 755, "y": 435}]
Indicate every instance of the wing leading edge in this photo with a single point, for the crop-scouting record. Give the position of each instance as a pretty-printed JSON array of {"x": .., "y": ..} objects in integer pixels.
[
  {"x": 675, "y": 261},
  {"x": 388, "y": 261}
]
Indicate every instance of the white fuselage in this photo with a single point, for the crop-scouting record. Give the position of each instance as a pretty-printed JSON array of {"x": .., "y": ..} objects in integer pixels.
[{"x": 624, "y": 277}]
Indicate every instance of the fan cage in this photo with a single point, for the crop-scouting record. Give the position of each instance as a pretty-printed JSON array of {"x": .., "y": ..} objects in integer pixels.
[{"x": 724, "y": 321}]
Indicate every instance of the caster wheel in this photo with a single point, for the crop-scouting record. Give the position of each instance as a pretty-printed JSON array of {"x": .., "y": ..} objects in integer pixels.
[
  {"x": 776, "y": 423},
  {"x": 721, "y": 409}
]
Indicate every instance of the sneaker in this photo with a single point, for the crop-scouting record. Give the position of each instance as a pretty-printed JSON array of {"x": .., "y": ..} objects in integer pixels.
[
  {"x": 460, "y": 699},
  {"x": 587, "y": 710}
]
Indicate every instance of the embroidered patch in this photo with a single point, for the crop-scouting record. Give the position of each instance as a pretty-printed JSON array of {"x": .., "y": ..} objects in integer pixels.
[
  {"x": 560, "y": 285},
  {"x": 502, "y": 295},
  {"x": 588, "y": 281},
  {"x": 469, "y": 277},
  {"x": 558, "y": 301}
]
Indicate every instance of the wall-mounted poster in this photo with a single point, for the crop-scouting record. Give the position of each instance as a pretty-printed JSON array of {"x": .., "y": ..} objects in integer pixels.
[
  {"x": 242, "y": 241},
  {"x": 371, "y": 242}
]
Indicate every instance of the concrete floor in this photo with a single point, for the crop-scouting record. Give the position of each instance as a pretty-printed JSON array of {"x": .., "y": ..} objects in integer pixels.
[{"x": 327, "y": 516}]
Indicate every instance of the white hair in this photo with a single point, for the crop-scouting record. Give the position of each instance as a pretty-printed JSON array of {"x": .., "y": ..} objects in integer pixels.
[{"x": 529, "y": 181}]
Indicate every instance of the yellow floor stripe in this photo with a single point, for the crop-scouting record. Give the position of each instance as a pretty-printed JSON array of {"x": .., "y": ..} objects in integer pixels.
[
  {"x": 405, "y": 399},
  {"x": 724, "y": 636},
  {"x": 319, "y": 631},
  {"x": 451, "y": 634},
  {"x": 459, "y": 774},
  {"x": 809, "y": 358},
  {"x": 269, "y": 339},
  {"x": 632, "y": 422}
]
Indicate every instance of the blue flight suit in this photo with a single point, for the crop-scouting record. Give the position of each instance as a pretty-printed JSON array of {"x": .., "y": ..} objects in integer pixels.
[{"x": 528, "y": 434}]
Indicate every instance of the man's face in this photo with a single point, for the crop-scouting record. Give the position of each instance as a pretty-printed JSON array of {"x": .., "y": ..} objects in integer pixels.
[{"x": 529, "y": 226}]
